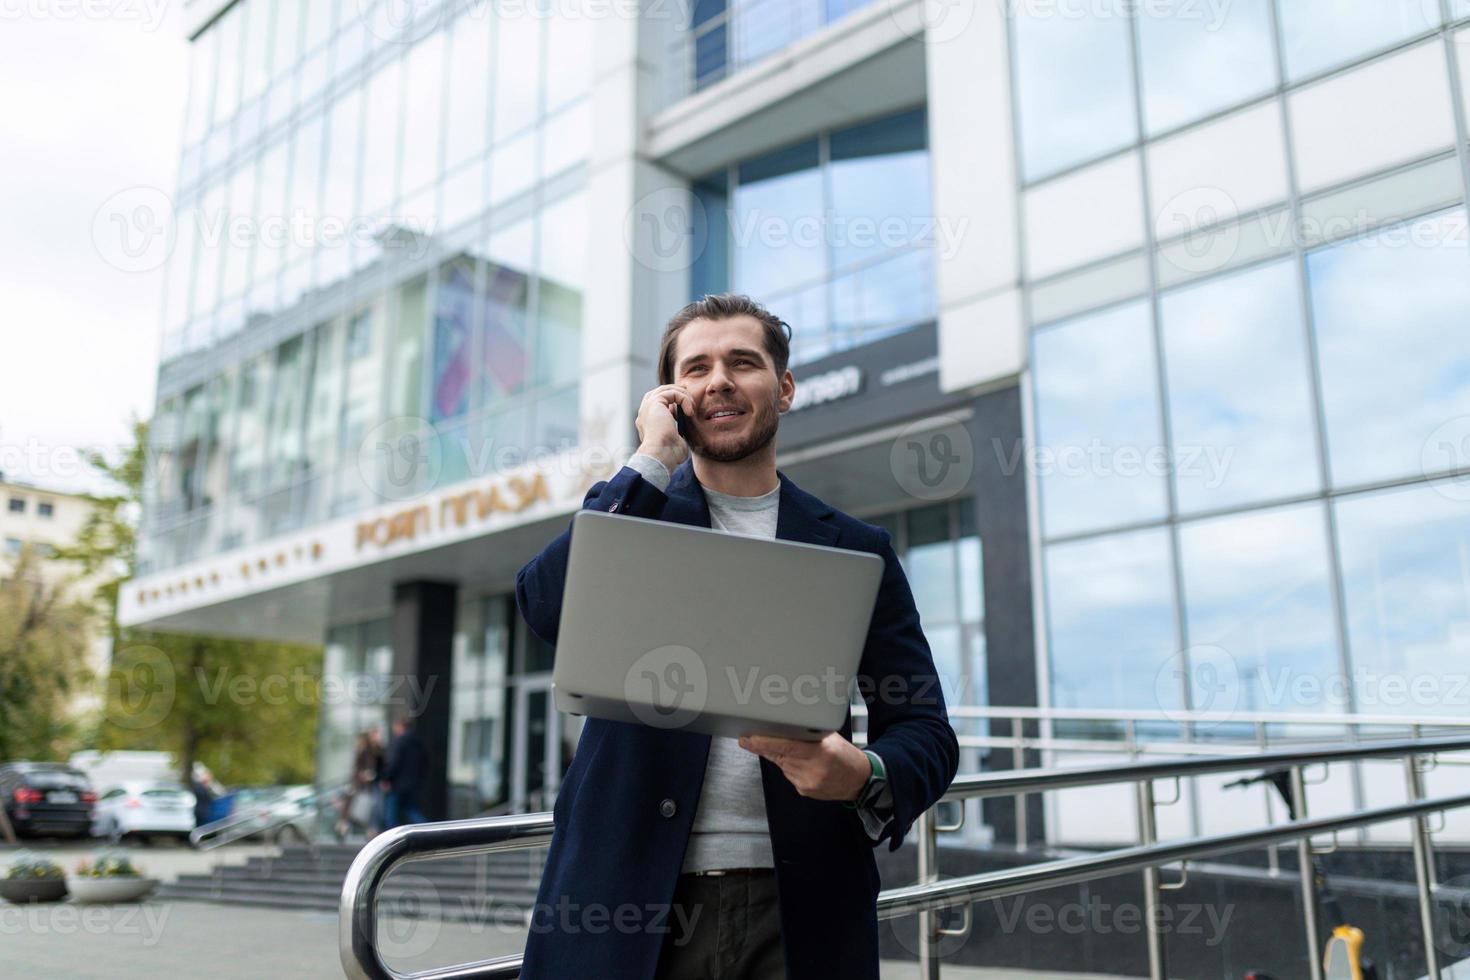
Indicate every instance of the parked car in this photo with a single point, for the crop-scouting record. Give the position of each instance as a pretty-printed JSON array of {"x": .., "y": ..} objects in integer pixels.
[
  {"x": 144, "y": 811},
  {"x": 46, "y": 799}
]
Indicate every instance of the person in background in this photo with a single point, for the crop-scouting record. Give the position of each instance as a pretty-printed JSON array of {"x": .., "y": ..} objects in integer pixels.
[
  {"x": 358, "y": 809},
  {"x": 205, "y": 793},
  {"x": 403, "y": 775}
]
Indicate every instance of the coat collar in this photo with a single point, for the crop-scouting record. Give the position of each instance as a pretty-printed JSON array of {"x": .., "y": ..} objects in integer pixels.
[{"x": 799, "y": 516}]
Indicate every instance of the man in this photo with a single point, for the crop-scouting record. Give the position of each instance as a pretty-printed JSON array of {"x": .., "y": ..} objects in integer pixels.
[
  {"x": 403, "y": 773},
  {"x": 677, "y": 855}
]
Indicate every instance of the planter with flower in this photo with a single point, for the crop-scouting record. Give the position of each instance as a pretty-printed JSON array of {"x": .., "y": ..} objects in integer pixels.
[
  {"x": 110, "y": 878},
  {"x": 33, "y": 879}
]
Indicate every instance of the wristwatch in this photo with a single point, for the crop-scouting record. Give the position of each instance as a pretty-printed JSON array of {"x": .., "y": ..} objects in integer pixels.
[{"x": 873, "y": 788}]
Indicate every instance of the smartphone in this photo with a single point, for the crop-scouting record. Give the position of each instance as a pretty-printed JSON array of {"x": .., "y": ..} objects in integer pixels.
[{"x": 682, "y": 421}]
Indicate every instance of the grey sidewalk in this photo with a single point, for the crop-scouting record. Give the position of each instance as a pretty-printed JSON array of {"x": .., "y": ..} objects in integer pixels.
[{"x": 187, "y": 939}]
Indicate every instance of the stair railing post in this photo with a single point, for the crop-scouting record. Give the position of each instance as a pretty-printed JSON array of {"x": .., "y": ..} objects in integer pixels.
[
  {"x": 1148, "y": 833},
  {"x": 928, "y": 872},
  {"x": 1308, "y": 872},
  {"x": 1423, "y": 861}
]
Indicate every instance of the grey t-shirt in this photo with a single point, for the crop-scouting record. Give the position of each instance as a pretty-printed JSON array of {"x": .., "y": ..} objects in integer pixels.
[{"x": 730, "y": 829}]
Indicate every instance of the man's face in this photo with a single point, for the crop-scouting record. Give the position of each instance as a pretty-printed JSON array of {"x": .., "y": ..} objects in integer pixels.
[{"x": 738, "y": 400}]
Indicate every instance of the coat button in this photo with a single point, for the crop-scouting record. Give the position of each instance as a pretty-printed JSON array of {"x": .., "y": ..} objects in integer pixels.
[
  {"x": 667, "y": 808},
  {"x": 614, "y": 508}
]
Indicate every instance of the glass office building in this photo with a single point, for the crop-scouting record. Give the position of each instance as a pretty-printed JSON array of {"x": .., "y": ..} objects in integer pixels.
[{"x": 1182, "y": 301}]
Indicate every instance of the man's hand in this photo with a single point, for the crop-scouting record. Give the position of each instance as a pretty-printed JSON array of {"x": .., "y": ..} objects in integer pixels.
[
  {"x": 832, "y": 769},
  {"x": 658, "y": 431}
]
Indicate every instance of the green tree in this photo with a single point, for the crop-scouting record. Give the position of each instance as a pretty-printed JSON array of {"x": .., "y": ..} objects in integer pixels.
[
  {"x": 45, "y": 633},
  {"x": 245, "y": 708}
]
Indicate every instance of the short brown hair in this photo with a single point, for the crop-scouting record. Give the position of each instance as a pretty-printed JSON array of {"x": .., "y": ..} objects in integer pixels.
[{"x": 724, "y": 306}]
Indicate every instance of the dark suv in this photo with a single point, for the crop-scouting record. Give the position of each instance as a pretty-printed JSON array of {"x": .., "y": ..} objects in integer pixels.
[{"x": 46, "y": 799}]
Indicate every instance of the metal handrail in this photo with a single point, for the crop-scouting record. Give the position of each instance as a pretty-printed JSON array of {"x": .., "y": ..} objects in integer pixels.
[
  {"x": 238, "y": 826},
  {"x": 1009, "y": 782},
  {"x": 896, "y": 903},
  {"x": 358, "y": 926}
]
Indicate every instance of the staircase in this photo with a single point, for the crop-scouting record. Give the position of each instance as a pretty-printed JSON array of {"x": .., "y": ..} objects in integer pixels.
[{"x": 471, "y": 889}]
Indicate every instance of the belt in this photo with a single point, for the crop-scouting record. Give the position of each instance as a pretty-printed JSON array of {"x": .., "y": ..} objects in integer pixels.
[{"x": 722, "y": 872}]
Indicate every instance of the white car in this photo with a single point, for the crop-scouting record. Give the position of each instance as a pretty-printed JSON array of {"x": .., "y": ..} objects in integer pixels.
[{"x": 144, "y": 810}]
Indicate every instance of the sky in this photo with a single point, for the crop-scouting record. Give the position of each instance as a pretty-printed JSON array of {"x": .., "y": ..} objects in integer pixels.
[{"x": 93, "y": 108}]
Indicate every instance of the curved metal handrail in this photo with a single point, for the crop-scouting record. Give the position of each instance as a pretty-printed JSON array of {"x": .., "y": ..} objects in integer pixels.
[{"x": 358, "y": 928}]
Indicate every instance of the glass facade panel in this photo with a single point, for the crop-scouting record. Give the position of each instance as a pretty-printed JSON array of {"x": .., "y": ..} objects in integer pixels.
[
  {"x": 1074, "y": 85},
  {"x": 1256, "y": 591},
  {"x": 1100, "y": 445},
  {"x": 1390, "y": 311},
  {"x": 380, "y": 138},
  {"x": 517, "y": 74},
  {"x": 1195, "y": 62},
  {"x": 478, "y": 731},
  {"x": 1406, "y": 587},
  {"x": 1239, "y": 382},
  {"x": 836, "y": 233},
  {"x": 467, "y": 126},
  {"x": 1111, "y": 623},
  {"x": 423, "y": 113},
  {"x": 1319, "y": 34}
]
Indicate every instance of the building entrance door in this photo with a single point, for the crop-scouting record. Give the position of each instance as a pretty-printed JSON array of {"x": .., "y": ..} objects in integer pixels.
[{"x": 536, "y": 745}]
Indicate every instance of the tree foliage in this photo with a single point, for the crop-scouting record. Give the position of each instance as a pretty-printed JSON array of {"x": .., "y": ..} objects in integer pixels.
[
  {"x": 247, "y": 709},
  {"x": 45, "y": 635}
]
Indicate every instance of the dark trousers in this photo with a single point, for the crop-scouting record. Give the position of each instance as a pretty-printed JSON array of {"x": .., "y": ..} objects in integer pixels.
[
  {"x": 401, "y": 808},
  {"x": 733, "y": 929}
]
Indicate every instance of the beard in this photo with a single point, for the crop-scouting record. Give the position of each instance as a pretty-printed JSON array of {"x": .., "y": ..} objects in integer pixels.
[{"x": 728, "y": 448}]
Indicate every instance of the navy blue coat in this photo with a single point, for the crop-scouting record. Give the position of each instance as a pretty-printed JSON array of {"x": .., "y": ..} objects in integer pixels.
[{"x": 615, "y": 855}]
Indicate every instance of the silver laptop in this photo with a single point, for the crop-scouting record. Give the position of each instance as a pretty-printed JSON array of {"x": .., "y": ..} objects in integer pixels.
[{"x": 698, "y": 630}]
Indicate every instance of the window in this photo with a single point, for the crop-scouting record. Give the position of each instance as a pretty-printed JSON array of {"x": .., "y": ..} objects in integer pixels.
[
  {"x": 1194, "y": 63},
  {"x": 1390, "y": 310},
  {"x": 1110, "y": 613},
  {"x": 45, "y": 509},
  {"x": 14, "y": 545},
  {"x": 1239, "y": 390},
  {"x": 1074, "y": 85},
  {"x": 1256, "y": 596},
  {"x": 17, "y": 505},
  {"x": 1405, "y": 583},
  {"x": 1098, "y": 426},
  {"x": 836, "y": 234},
  {"x": 1318, "y": 34}
]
